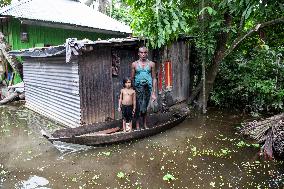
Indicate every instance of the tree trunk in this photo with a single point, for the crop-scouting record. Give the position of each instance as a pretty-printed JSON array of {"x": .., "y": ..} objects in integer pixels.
[
  {"x": 9, "y": 99},
  {"x": 5, "y": 57},
  {"x": 103, "y": 6},
  {"x": 219, "y": 54}
]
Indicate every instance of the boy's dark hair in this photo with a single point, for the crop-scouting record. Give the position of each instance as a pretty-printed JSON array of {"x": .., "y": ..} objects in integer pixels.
[{"x": 125, "y": 80}]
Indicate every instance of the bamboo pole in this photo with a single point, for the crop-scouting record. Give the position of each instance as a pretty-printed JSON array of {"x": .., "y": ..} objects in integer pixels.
[{"x": 204, "y": 103}]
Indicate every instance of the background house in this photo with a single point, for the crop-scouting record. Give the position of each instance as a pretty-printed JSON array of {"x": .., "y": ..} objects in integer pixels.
[{"x": 42, "y": 23}]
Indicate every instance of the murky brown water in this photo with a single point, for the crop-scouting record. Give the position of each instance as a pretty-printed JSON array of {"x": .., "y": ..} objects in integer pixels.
[{"x": 202, "y": 152}]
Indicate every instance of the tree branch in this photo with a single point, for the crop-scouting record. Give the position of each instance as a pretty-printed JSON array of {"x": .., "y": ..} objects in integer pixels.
[{"x": 238, "y": 40}]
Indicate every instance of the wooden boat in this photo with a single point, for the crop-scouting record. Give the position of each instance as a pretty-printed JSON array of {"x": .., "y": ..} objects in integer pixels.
[{"x": 108, "y": 132}]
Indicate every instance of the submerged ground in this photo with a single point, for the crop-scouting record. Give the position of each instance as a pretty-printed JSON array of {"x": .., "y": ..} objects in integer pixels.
[{"x": 202, "y": 152}]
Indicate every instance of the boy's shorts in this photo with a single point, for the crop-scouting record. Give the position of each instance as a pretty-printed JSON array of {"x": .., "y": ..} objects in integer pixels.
[{"x": 127, "y": 112}]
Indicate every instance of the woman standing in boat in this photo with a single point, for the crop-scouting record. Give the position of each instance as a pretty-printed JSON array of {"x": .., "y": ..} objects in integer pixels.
[{"x": 143, "y": 75}]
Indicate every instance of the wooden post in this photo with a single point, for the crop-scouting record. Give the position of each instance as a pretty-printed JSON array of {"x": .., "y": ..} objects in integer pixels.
[{"x": 204, "y": 101}]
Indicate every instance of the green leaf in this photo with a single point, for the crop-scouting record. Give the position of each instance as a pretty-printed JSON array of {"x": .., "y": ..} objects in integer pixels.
[
  {"x": 95, "y": 177},
  {"x": 166, "y": 21},
  {"x": 248, "y": 13},
  {"x": 168, "y": 177},
  {"x": 255, "y": 145},
  {"x": 210, "y": 11},
  {"x": 174, "y": 28},
  {"x": 120, "y": 175},
  {"x": 106, "y": 153},
  {"x": 3, "y": 172},
  {"x": 225, "y": 151},
  {"x": 212, "y": 184},
  {"x": 241, "y": 144}
]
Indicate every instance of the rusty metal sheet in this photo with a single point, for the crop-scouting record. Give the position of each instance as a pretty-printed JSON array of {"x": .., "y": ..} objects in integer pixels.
[
  {"x": 178, "y": 54},
  {"x": 96, "y": 85},
  {"x": 180, "y": 61}
]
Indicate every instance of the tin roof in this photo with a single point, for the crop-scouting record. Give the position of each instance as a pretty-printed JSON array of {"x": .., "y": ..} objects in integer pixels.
[
  {"x": 68, "y": 12},
  {"x": 71, "y": 47}
]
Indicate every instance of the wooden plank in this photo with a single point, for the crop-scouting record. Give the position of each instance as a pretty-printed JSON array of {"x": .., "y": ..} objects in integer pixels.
[{"x": 104, "y": 132}]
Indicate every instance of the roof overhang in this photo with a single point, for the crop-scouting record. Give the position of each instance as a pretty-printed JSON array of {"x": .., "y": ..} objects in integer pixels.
[{"x": 70, "y": 27}]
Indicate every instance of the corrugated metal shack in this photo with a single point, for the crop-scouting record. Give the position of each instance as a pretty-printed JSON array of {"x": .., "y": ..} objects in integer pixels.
[{"x": 79, "y": 83}]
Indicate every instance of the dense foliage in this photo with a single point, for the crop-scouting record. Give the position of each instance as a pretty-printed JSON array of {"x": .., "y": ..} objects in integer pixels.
[
  {"x": 159, "y": 21},
  {"x": 254, "y": 82},
  {"x": 253, "y": 76},
  {"x": 163, "y": 20},
  {"x": 119, "y": 11}
]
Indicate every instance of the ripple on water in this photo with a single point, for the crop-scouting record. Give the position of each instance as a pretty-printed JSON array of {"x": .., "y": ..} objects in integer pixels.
[{"x": 68, "y": 148}]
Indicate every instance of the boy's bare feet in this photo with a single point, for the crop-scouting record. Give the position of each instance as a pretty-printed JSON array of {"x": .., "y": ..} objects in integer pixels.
[
  {"x": 130, "y": 127},
  {"x": 137, "y": 125},
  {"x": 124, "y": 125}
]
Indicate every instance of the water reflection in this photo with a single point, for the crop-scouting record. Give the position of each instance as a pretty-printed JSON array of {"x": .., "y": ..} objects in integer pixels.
[{"x": 34, "y": 182}]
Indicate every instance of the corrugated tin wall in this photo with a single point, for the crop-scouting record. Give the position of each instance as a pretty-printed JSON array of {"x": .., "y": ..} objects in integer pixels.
[
  {"x": 52, "y": 89},
  {"x": 96, "y": 85},
  {"x": 127, "y": 56}
]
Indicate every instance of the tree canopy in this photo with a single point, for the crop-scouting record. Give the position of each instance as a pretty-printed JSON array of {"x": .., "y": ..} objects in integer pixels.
[{"x": 219, "y": 26}]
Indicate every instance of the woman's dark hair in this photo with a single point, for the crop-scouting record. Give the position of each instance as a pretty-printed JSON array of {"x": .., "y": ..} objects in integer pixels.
[{"x": 125, "y": 80}]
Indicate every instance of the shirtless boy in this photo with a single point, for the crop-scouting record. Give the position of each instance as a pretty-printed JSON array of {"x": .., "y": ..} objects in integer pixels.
[{"x": 127, "y": 103}]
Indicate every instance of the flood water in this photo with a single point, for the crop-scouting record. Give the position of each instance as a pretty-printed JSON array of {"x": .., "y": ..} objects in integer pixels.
[{"x": 202, "y": 152}]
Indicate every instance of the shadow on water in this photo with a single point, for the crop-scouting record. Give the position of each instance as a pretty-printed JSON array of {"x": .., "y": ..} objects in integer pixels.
[{"x": 202, "y": 152}]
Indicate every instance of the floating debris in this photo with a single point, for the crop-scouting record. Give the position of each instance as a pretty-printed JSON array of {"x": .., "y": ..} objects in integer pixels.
[{"x": 270, "y": 133}]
